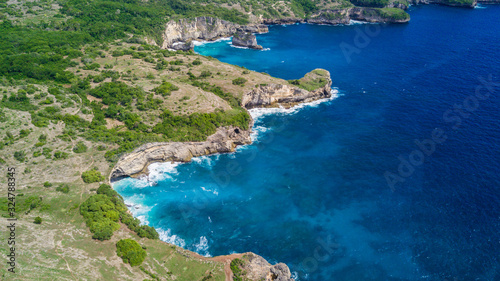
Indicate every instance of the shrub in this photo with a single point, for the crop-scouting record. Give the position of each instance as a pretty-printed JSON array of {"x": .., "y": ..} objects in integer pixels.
[
  {"x": 91, "y": 176},
  {"x": 47, "y": 184},
  {"x": 197, "y": 62},
  {"x": 20, "y": 156},
  {"x": 60, "y": 155},
  {"x": 38, "y": 220},
  {"x": 24, "y": 133},
  {"x": 165, "y": 89},
  {"x": 64, "y": 188},
  {"x": 80, "y": 147},
  {"x": 130, "y": 251},
  {"x": 101, "y": 216},
  {"x": 239, "y": 81}
]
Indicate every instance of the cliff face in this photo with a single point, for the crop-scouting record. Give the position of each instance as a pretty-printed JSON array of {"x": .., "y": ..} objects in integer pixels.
[
  {"x": 344, "y": 16},
  {"x": 245, "y": 39},
  {"x": 203, "y": 28},
  {"x": 454, "y": 3},
  {"x": 273, "y": 95},
  {"x": 224, "y": 140},
  {"x": 257, "y": 268}
]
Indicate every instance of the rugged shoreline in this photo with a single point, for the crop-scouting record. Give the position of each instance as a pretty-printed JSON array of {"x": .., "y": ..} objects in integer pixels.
[{"x": 225, "y": 139}]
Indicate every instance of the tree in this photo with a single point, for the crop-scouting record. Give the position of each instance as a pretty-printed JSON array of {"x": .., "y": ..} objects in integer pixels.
[
  {"x": 91, "y": 176},
  {"x": 130, "y": 251}
]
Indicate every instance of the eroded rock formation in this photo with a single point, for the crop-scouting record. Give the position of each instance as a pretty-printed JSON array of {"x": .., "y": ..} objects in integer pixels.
[
  {"x": 273, "y": 95},
  {"x": 204, "y": 28},
  {"x": 257, "y": 268},
  {"x": 245, "y": 39},
  {"x": 134, "y": 163}
]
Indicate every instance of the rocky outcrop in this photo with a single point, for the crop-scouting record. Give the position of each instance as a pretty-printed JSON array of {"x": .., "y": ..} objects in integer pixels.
[
  {"x": 257, "y": 268},
  {"x": 344, "y": 16},
  {"x": 225, "y": 139},
  {"x": 245, "y": 39},
  {"x": 134, "y": 163},
  {"x": 183, "y": 46},
  {"x": 273, "y": 95},
  {"x": 453, "y": 3},
  {"x": 203, "y": 28}
]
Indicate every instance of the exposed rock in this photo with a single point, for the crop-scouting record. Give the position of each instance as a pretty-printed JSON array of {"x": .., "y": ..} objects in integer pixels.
[
  {"x": 183, "y": 46},
  {"x": 245, "y": 39},
  {"x": 257, "y": 268},
  {"x": 134, "y": 163},
  {"x": 203, "y": 28},
  {"x": 471, "y": 4},
  {"x": 285, "y": 95},
  {"x": 344, "y": 16}
]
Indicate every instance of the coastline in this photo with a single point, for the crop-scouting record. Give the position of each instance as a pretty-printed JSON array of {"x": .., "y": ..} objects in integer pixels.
[{"x": 225, "y": 139}]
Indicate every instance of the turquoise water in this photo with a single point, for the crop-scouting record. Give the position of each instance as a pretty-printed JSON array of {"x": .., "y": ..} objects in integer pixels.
[{"x": 397, "y": 178}]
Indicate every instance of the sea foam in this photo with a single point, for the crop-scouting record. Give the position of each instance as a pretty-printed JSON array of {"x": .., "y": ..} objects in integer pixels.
[
  {"x": 258, "y": 113},
  {"x": 167, "y": 236}
]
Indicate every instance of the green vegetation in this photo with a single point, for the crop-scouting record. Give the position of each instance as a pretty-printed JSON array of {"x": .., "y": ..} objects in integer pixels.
[
  {"x": 80, "y": 147},
  {"x": 393, "y": 14},
  {"x": 239, "y": 81},
  {"x": 371, "y": 3},
  {"x": 64, "y": 188},
  {"x": 38, "y": 220},
  {"x": 91, "y": 176},
  {"x": 130, "y": 251},
  {"x": 238, "y": 273},
  {"x": 103, "y": 211},
  {"x": 314, "y": 80}
]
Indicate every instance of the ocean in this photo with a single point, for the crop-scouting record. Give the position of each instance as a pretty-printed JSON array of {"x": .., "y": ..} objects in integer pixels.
[{"x": 395, "y": 178}]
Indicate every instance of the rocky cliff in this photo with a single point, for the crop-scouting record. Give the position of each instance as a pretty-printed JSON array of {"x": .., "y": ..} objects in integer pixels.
[
  {"x": 203, "y": 28},
  {"x": 245, "y": 39},
  {"x": 454, "y": 3},
  {"x": 344, "y": 16},
  {"x": 134, "y": 163},
  {"x": 257, "y": 268},
  {"x": 273, "y": 95},
  {"x": 225, "y": 139}
]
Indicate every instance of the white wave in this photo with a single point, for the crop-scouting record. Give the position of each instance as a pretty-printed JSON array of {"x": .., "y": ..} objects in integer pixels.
[
  {"x": 257, "y": 113},
  {"x": 238, "y": 47},
  {"x": 167, "y": 236},
  {"x": 356, "y": 22},
  {"x": 202, "y": 247},
  {"x": 266, "y": 49},
  {"x": 206, "y": 161},
  {"x": 479, "y": 6},
  {"x": 257, "y": 132},
  {"x": 160, "y": 171},
  {"x": 215, "y": 192},
  {"x": 202, "y": 42}
]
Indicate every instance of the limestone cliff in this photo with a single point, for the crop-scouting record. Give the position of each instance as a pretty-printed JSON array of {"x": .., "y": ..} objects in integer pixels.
[
  {"x": 256, "y": 267},
  {"x": 273, "y": 95},
  {"x": 344, "y": 16},
  {"x": 454, "y": 3},
  {"x": 245, "y": 39},
  {"x": 203, "y": 28},
  {"x": 134, "y": 163},
  {"x": 225, "y": 139}
]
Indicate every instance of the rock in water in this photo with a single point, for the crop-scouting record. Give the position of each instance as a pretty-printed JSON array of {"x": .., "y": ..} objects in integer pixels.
[{"x": 245, "y": 39}]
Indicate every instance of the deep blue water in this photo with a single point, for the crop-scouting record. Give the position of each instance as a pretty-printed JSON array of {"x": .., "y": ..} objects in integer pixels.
[{"x": 312, "y": 190}]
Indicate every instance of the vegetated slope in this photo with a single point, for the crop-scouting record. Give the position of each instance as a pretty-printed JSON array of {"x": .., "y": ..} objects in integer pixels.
[{"x": 72, "y": 100}]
